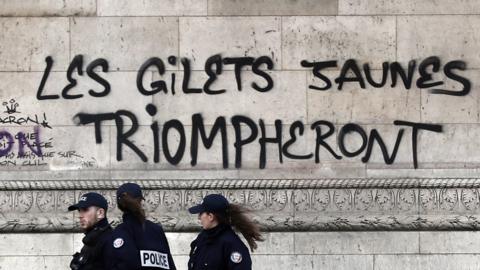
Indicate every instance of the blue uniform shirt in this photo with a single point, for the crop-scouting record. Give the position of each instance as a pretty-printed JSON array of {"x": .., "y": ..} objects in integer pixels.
[
  {"x": 219, "y": 248},
  {"x": 139, "y": 246}
]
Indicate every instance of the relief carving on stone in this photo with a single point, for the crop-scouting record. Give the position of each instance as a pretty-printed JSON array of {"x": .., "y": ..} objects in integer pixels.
[{"x": 295, "y": 205}]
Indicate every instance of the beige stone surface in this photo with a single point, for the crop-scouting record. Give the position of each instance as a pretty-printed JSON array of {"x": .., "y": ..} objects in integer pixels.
[
  {"x": 126, "y": 42},
  {"x": 454, "y": 148},
  {"x": 151, "y": 8},
  {"x": 341, "y": 262},
  {"x": 426, "y": 262},
  {"x": 451, "y": 242},
  {"x": 375, "y": 7},
  {"x": 327, "y": 170},
  {"x": 438, "y": 108},
  {"x": 414, "y": 42},
  {"x": 36, "y": 245},
  {"x": 231, "y": 36},
  {"x": 38, "y": 262},
  {"x": 319, "y": 243},
  {"x": 48, "y": 8},
  {"x": 367, "y": 39},
  {"x": 301, "y": 250},
  {"x": 25, "y": 42},
  {"x": 392, "y": 172},
  {"x": 272, "y": 7}
]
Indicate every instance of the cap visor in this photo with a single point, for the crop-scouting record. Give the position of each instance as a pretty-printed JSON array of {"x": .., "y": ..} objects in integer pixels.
[
  {"x": 79, "y": 205},
  {"x": 196, "y": 209},
  {"x": 73, "y": 207}
]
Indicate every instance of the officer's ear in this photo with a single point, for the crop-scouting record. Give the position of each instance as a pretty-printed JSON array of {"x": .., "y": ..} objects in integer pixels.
[
  {"x": 100, "y": 213},
  {"x": 212, "y": 217}
]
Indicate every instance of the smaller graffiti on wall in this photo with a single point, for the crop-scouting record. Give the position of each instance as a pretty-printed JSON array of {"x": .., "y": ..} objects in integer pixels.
[
  {"x": 26, "y": 144},
  {"x": 31, "y": 149},
  {"x": 13, "y": 115}
]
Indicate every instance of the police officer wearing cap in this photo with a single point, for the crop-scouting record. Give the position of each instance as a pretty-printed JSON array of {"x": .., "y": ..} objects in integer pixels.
[
  {"x": 218, "y": 247},
  {"x": 137, "y": 243},
  {"x": 92, "y": 212}
]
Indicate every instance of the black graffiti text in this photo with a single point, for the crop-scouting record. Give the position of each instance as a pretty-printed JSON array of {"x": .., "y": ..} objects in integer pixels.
[{"x": 350, "y": 72}]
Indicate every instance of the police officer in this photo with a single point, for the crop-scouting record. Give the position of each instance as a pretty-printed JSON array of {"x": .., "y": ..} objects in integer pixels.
[
  {"x": 137, "y": 243},
  {"x": 92, "y": 212},
  {"x": 218, "y": 247}
]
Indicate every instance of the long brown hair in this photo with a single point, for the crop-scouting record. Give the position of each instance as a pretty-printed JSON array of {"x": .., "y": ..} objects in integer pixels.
[
  {"x": 236, "y": 216},
  {"x": 132, "y": 205}
]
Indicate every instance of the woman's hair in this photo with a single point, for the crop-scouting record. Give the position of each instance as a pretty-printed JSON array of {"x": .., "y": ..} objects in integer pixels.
[
  {"x": 132, "y": 205},
  {"x": 236, "y": 216}
]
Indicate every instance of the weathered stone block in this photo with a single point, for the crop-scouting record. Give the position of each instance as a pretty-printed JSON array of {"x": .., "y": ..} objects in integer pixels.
[
  {"x": 151, "y": 8},
  {"x": 276, "y": 243},
  {"x": 354, "y": 104},
  {"x": 56, "y": 175},
  {"x": 231, "y": 37},
  {"x": 125, "y": 42},
  {"x": 366, "y": 39},
  {"x": 356, "y": 242},
  {"x": 352, "y": 7},
  {"x": 341, "y": 262},
  {"x": 48, "y": 8},
  {"x": 328, "y": 170},
  {"x": 180, "y": 242},
  {"x": 452, "y": 109},
  {"x": 414, "y": 42},
  {"x": 38, "y": 262},
  {"x": 389, "y": 172},
  {"x": 35, "y": 244},
  {"x": 27, "y": 41},
  {"x": 454, "y": 147},
  {"x": 426, "y": 262},
  {"x": 272, "y": 7},
  {"x": 452, "y": 242}
]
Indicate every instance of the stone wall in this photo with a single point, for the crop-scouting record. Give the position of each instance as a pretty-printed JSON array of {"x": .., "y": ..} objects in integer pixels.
[
  {"x": 343, "y": 169},
  {"x": 300, "y": 250}
]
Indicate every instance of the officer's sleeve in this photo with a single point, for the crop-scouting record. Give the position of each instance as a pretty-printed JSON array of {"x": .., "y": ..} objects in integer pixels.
[
  {"x": 122, "y": 253},
  {"x": 237, "y": 256},
  {"x": 171, "y": 263}
]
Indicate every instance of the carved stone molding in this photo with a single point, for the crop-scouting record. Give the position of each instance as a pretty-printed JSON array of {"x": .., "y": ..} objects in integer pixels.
[
  {"x": 278, "y": 205},
  {"x": 247, "y": 183}
]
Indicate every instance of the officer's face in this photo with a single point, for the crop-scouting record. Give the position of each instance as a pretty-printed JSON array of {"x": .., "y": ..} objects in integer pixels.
[
  {"x": 207, "y": 220},
  {"x": 90, "y": 216}
]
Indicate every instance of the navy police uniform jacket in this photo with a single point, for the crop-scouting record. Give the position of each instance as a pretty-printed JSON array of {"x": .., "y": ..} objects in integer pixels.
[
  {"x": 95, "y": 242},
  {"x": 139, "y": 246},
  {"x": 219, "y": 248}
]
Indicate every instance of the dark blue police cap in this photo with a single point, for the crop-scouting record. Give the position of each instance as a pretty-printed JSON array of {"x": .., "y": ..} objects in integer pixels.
[
  {"x": 132, "y": 189},
  {"x": 213, "y": 203},
  {"x": 90, "y": 199}
]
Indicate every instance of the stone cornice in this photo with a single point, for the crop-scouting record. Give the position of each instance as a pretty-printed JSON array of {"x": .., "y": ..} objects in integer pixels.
[
  {"x": 278, "y": 205},
  {"x": 246, "y": 183}
]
